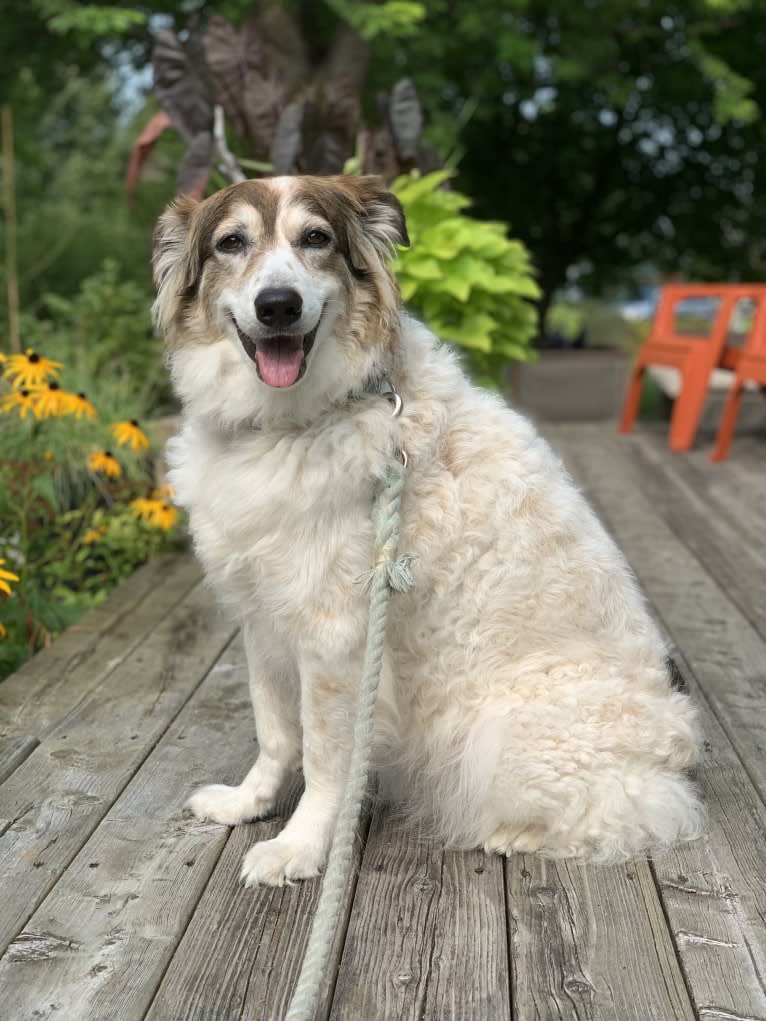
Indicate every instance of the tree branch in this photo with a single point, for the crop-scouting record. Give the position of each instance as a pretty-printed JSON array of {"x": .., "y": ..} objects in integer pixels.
[{"x": 228, "y": 165}]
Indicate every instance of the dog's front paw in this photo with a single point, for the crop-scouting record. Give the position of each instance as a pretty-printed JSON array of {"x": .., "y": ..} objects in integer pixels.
[
  {"x": 278, "y": 861},
  {"x": 228, "y": 805}
]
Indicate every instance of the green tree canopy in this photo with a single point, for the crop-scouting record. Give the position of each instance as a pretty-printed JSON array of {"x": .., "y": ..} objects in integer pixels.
[{"x": 607, "y": 132}]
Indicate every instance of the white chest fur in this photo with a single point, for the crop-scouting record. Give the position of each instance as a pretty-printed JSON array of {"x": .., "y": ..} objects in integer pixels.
[{"x": 281, "y": 519}]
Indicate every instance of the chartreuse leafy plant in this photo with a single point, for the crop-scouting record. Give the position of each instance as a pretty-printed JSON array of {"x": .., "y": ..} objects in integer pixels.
[
  {"x": 394, "y": 18},
  {"x": 78, "y": 504},
  {"x": 473, "y": 285}
]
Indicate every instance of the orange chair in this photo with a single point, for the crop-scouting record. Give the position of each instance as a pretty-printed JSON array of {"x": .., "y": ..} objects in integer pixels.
[
  {"x": 751, "y": 366},
  {"x": 696, "y": 356}
]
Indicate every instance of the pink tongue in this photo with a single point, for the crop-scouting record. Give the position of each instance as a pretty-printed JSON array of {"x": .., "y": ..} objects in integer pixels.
[{"x": 279, "y": 366}]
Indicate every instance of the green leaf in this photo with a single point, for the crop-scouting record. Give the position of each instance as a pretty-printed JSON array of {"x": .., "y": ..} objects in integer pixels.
[
  {"x": 468, "y": 280},
  {"x": 475, "y": 331},
  {"x": 96, "y": 21},
  {"x": 423, "y": 268}
]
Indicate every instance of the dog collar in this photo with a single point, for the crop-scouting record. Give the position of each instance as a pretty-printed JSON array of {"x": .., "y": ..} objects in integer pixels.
[{"x": 381, "y": 386}]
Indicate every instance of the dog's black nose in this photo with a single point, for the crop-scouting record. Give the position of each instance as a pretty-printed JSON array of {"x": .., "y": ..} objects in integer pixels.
[{"x": 278, "y": 307}]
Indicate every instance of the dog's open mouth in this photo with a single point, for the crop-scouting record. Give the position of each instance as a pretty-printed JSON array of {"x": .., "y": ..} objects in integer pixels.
[{"x": 280, "y": 360}]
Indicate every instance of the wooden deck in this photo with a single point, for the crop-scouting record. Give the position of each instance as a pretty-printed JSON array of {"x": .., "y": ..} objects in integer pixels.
[{"x": 115, "y": 905}]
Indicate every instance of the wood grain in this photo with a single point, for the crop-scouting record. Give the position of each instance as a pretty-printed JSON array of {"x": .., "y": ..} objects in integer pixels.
[
  {"x": 99, "y": 943},
  {"x": 53, "y": 801},
  {"x": 241, "y": 954},
  {"x": 427, "y": 935},
  {"x": 715, "y": 514},
  {"x": 590, "y": 943},
  {"x": 13, "y": 751},
  {"x": 714, "y": 889}
]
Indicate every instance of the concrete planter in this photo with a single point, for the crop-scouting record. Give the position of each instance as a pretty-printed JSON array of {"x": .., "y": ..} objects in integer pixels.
[{"x": 571, "y": 386}]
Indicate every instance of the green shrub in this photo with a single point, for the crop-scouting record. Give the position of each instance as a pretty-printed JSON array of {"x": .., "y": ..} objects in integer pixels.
[
  {"x": 104, "y": 334},
  {"x": 472, "y": 284},
  {"x": 594, "y": 324}
]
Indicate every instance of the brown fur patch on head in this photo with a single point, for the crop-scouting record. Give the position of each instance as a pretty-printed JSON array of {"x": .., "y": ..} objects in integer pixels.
[
  {"x": 367, "y": 219},
  {"x": 183, "y": 242},
  {"x": 368, "y": 222}
]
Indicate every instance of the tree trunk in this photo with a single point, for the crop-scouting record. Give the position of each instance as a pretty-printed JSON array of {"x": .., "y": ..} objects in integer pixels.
[
  {"x": 544, "y": 303},
  {"x": 9, "y": 207}
]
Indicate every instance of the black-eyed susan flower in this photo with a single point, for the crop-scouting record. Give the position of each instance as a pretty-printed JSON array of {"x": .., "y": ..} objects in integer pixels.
[
  {"x": 94, "y": 535},
  {"x": 157, "y": 513},
  {"x": 3, "y": 632},
  {"x": 51, "y": 401},
  {"x": 6, "y": 577},
  {"x": 30, "y": 369},
  {"x": 130, "y": 434},
  {"x": 105, "y": 462},
  {"x": 79, "y": 406},
  {"x": 23, "y": 401},
  {"x": 143, "y": 507}
]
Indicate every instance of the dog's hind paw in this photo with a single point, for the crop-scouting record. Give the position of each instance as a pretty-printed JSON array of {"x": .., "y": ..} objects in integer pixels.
[
  {"x": 509, "y": 840},
  {"x": 278, "y": 861},
  {"x": 228, "y": 805}
]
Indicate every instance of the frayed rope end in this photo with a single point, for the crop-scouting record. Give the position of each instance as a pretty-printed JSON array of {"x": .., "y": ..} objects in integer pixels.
[{"x": 398, "y": 573}]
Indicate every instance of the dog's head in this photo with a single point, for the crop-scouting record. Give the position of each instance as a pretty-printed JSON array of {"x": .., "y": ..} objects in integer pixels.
[{"x": 275, "y": 295}]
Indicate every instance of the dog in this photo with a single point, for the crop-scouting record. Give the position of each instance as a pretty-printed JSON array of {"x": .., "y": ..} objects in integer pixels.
[{"x": 525, "y": 703}]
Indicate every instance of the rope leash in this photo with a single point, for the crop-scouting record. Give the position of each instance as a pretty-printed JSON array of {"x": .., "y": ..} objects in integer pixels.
[{"x": 390, "y": 573}]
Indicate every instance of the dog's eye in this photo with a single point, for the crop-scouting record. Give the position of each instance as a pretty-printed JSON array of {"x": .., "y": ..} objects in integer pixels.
[
  {"x": 231, "y": 243},
  {"x": 316, "y": 239}
]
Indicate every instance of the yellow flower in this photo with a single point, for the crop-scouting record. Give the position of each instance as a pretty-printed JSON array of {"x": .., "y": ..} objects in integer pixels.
[
  {"x": 48, "y": 455},
  {"x": 165, "y": 492},
  {"x": 94, "y": 534},
  {"x": 79, "y": 406},
  {"x": 104, "y": 461},
  {"x": 23, "y": 400},
  {"x": 5, "y": 578},
  {"x": 51, "y": 401},
  {"x": 156, "y": 513},
  {"x": 130, "y": 434},
  {"x": 3, "y": 632},
  {"x": 165, "y": 516},
  {"x": 143, "y": 507},
  {"x": 30, "y": 369}
]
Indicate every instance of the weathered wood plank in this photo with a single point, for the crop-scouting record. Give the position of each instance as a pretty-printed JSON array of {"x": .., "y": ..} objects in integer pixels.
[
  {"x": 427, "y": 937},
  {"x": 241, "y": 954},
  {"x": 713, "y": 889},
  {"x": 716, "y": 514},
  {"x": 99, "y": 943},
  {"x": 725, "y": 652},
  {"x": 13, "y": 751},
  {"x": 48, "y": 686},
  {"x": 590, "y": 943},
  {"x": 54, "y": 800}
]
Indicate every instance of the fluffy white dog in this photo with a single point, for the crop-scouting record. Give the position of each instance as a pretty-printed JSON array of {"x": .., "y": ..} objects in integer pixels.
[{"x": 525, "y": 703}]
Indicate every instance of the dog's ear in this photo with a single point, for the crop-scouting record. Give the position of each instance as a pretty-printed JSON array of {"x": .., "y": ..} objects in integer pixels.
[
  {"x": 383, "y": 217},
  {"x": 175, "y": 261},
  {"x": 377, "y": 223}
]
